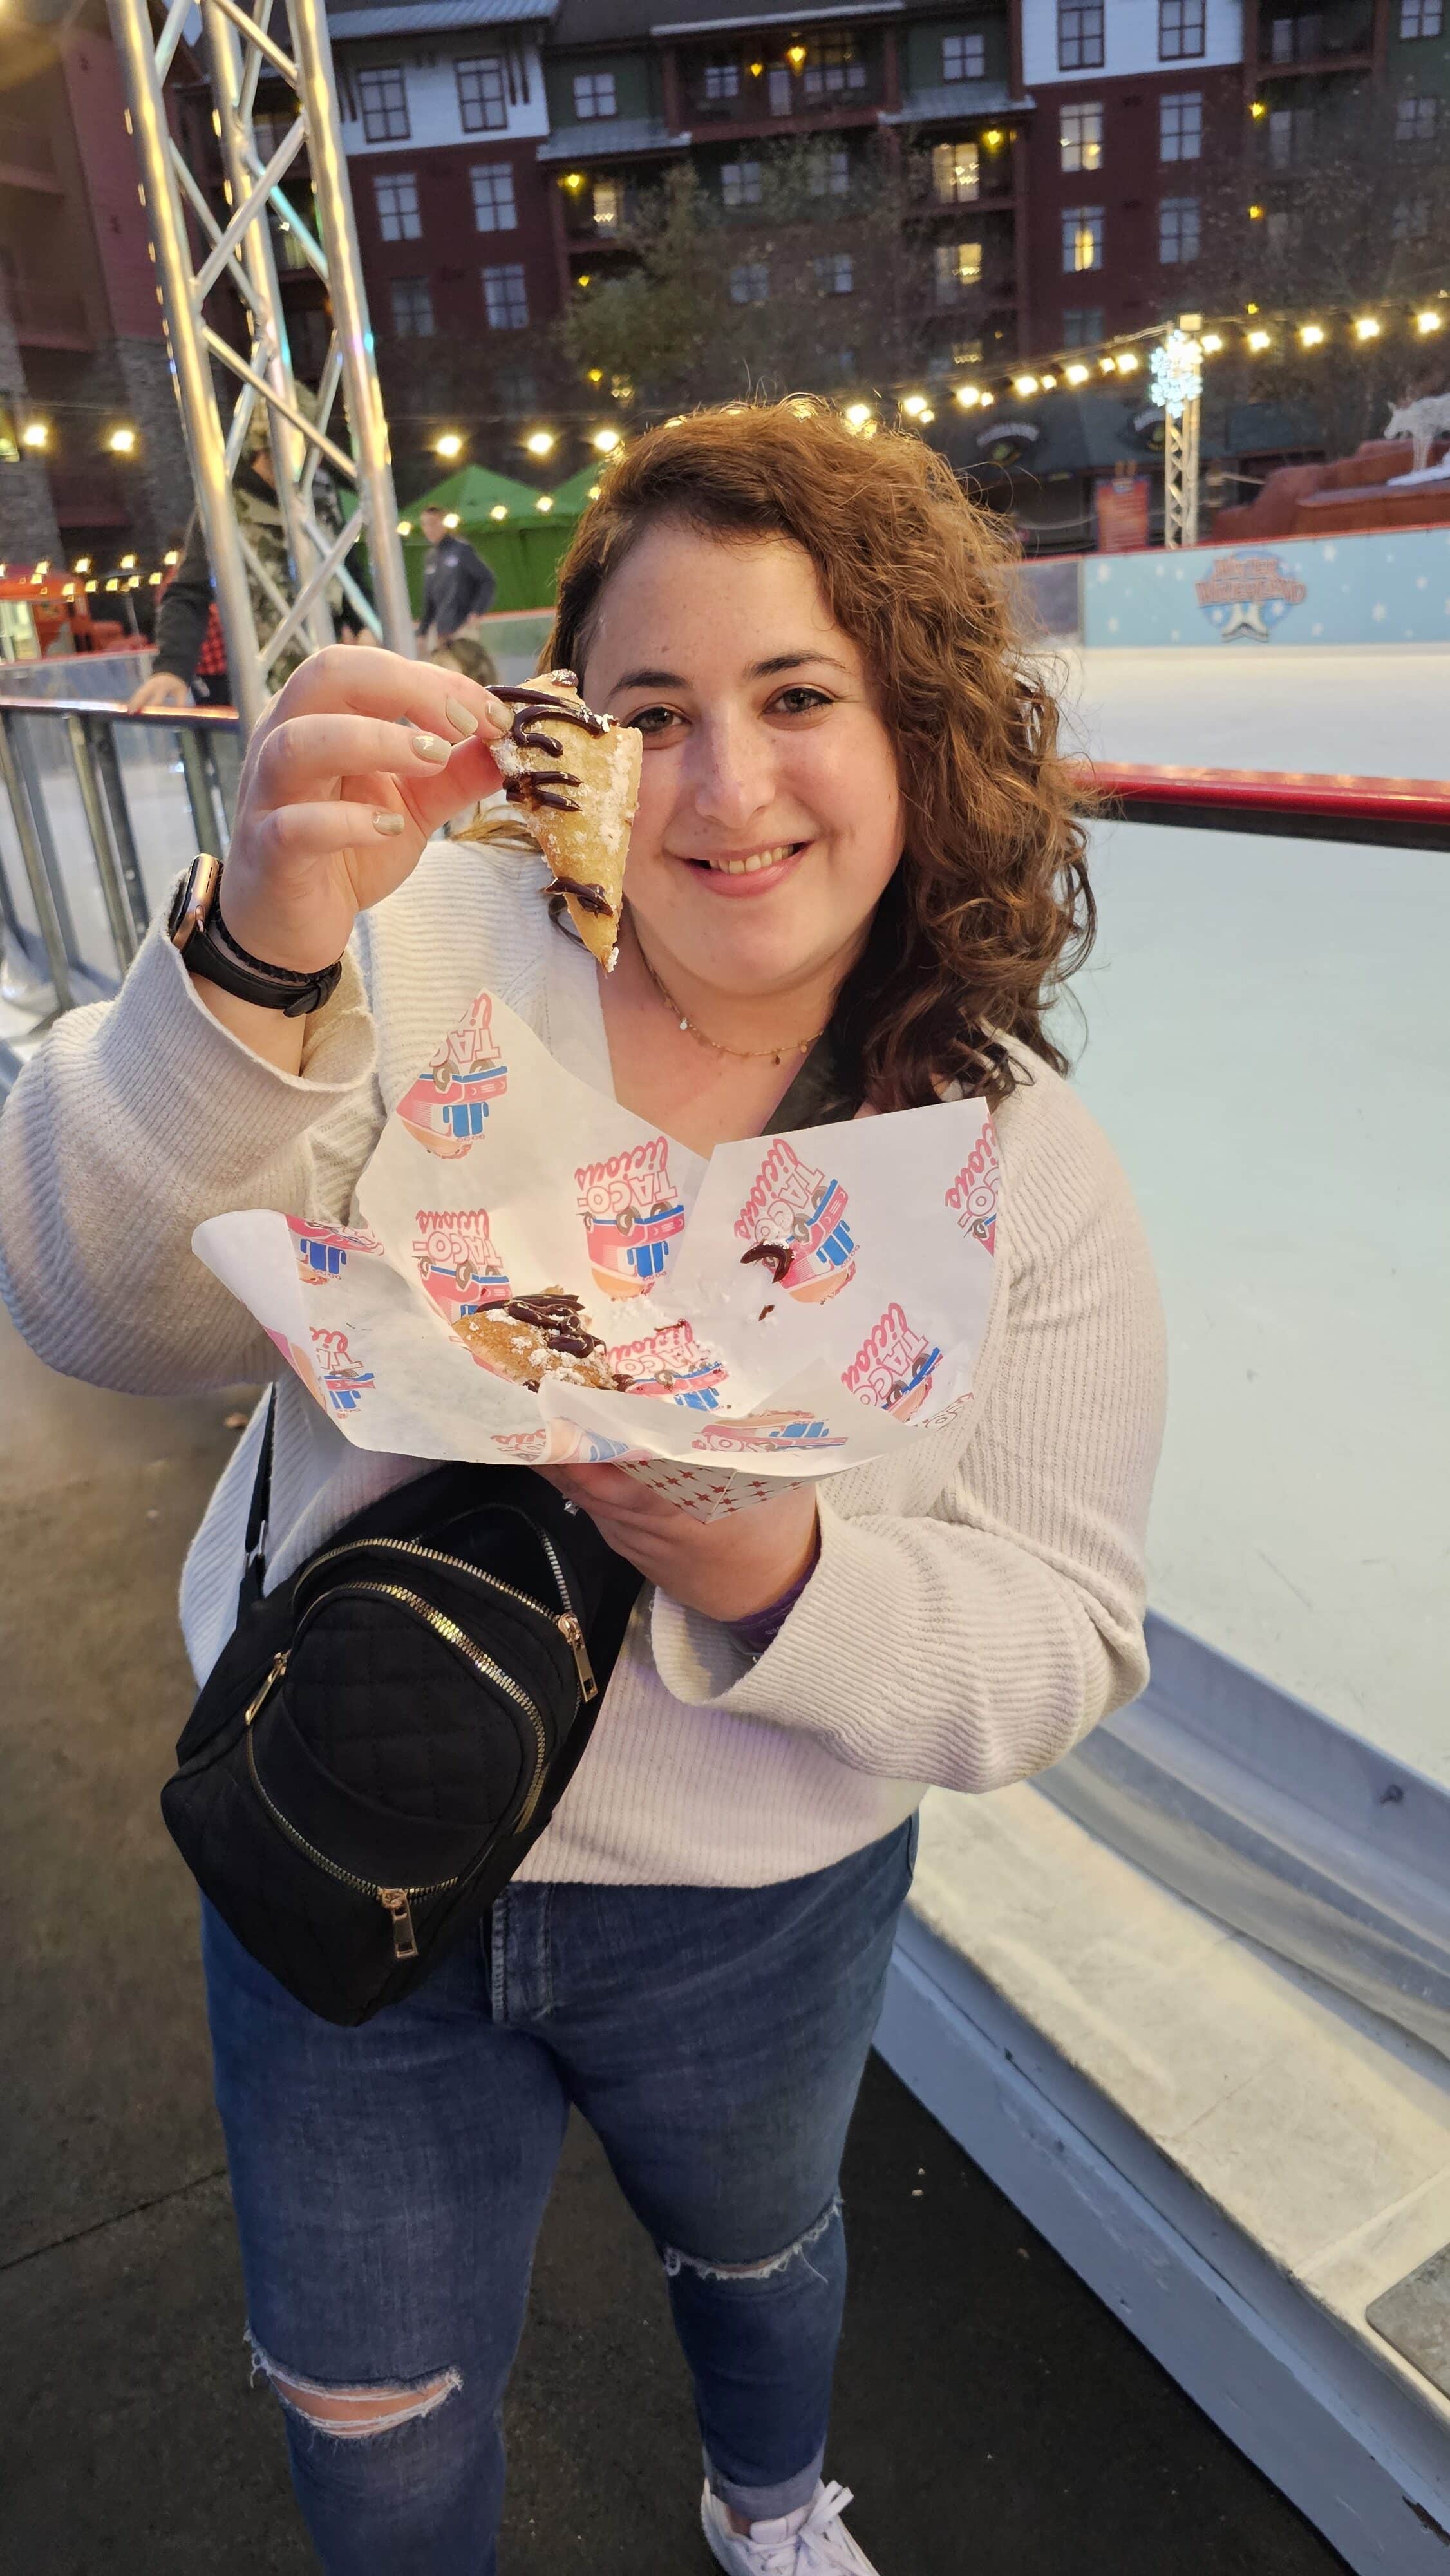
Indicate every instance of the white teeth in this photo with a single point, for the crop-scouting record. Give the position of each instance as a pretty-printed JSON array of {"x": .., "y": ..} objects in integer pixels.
[{"x": 750, "y": 867}]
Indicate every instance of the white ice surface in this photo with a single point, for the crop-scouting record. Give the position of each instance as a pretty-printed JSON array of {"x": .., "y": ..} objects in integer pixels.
[{"x": 1267, "y": 1049}]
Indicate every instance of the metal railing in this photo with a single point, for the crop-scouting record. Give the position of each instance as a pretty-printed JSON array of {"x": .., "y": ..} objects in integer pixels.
[{"x": 100, "y": 809}]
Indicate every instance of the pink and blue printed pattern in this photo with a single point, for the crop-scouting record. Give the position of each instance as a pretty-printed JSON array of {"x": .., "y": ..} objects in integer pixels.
[
  {"x": 973, "y": 1194},
  {"x": 345, "y": 1378},
  {"x": 671, "y": 1363},
  {"x": 447, "y": 1107},
  {"x": 457, "y": 1262},
  {"x": 780, "y": 1430},
  {"x": 632, "y": 1218},
  {"x": 894, "y": 1367},
  {"x": 322, "y": 1250},
  {"x": 794, "y": 1208}
]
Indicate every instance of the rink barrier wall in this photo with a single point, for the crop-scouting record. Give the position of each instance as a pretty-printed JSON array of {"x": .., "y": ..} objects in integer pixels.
[{"x": 1380, "y": 587}]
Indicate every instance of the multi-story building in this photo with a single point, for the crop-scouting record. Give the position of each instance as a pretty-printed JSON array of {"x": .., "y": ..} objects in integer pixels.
[
  {"x": 443, "y": 110},
  {"x": 91, "y": 454},
  {"x": 1137, "y": 128}
]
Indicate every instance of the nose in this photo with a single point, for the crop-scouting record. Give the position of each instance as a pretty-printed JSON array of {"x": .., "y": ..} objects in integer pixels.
[{"x": 729, "y": 771}]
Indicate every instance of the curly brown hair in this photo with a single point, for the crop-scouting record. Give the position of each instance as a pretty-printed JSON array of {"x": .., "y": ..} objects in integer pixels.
[{"x": 990, "y": 908}]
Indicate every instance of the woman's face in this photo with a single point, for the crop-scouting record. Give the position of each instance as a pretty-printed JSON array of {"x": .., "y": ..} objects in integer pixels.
[{"x": 769, "y": 812}]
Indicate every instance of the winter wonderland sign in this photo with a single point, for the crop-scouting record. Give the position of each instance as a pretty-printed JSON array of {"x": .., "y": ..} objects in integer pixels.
[{"x": 1248, "y": 594}]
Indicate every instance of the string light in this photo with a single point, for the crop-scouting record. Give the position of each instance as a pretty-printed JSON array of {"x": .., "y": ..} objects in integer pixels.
[
  {"x": 1024, "y": 385},
  {"x": 172, "y": 556},
  {"x": 1428, "y": 321},
  {"x": 450, "y": 518},
  {"x": 1128, "y": 362},
  {"x": 405, "y": 527},
  {"x": 545, "y": 501},
  {"x": 83, "y": 563},
  {"x": 128, "y": 564},
  {"x": 540, "y": 442},
  {"x": 1211, "y": 344},
  {"x": 1107, "y": 366},
  {"x": 1049, "y": 384},
  {"x": 1077, "y": 375},
  {"x": 449, "y": 445},
  {"x": 1257, "y": 340},
  {"x": 967, "y": 396},
  {"x": 915, "y": 406},
  {"x": 857, "y": 414},
  {"x": 1366, "y": 328},
  {"x": 36, "y": 433},
  {"x": 498, "y": 511},
  {"x": 122, "y": 442},
  {"x": 1311, "y": 335},
  {"x": 606, "y": 441}
]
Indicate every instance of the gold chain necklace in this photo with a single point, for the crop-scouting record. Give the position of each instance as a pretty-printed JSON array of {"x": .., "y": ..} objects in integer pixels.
[{"x": 741, "y": 1055}]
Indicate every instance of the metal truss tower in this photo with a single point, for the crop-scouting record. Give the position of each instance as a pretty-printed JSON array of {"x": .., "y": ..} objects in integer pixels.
[
  {"x": 287, "y": 40},
  {"x": 1177, "y": 375}
]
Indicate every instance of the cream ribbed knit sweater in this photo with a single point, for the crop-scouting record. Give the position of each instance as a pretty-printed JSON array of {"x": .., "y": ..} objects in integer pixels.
[{"x": 978, "y": 1600}]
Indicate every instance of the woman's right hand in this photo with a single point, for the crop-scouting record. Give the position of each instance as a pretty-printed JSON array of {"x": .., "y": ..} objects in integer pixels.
[{"x": 357, "y": 761}]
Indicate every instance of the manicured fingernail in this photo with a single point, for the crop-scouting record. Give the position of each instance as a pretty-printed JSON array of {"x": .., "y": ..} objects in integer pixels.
[
  {"x": 498, "y": 714},
  {"x": 459, "y": 716},
  {"x": 429, "y": 747},
  {"x": 387, "y": 822}
]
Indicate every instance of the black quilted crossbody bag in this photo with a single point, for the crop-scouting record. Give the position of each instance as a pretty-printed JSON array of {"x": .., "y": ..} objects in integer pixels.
[{"x": 387, "y": 1731}]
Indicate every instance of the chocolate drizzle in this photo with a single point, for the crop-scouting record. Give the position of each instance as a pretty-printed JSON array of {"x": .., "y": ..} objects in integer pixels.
[
  {"x": 541, "y": 786},
  {"x": 558, "y": 1320},
  {"x": 779, "y": 1255}
]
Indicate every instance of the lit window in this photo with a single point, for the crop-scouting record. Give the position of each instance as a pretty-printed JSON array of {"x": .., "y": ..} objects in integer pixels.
[
  {"x": 956, "y": 173},
  {"x": 494, "y": 210},
  {"x": 608, "y": 204},
  {"x": 505, "y": 300},
  {"x": 740, "y": 183},
  {"x": 1079, "y": 35},
  {"x": 835, "y": 272},
  {"x": 1177, "y": 230},
  {"x": 1180, "y": 30},
  {"x": 383, "y": 97},
  {"x": 594, "y": 95},
  {"x": 1410, "y": 220},
  {"x": 412, "y": 308},
  {"x": 722, "y": 80},
  {"x": 958, "y": 267},
  {"x": 1422, "y": 17},
  {"x": 828, "y": 172},
  {"x": 834, "y": 69},
  {"x": 1415, "y": 120},
  {"x": 1082, "y": 326},
  {"x": 750, "y": 283},
  {"x": 482, "y": 98},
  {"x": 1180, "y": 126},
  {"x": 1082, "y": 238},
  {"x": 963, "y": 58},
  {"x": 396, "y": 196},
  {"x": 1080, "y": 137}
]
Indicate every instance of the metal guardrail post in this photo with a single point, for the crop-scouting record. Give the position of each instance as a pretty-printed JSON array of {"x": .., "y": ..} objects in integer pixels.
[
  {"x": 42, "y": 893},
  {"x": 103, "y": 745},
  {"x": 82, "y": 752},
  {"x": 202, "y": 789}
]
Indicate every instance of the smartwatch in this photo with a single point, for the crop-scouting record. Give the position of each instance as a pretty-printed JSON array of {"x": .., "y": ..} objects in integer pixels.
[{"x": 197, "y": 931}]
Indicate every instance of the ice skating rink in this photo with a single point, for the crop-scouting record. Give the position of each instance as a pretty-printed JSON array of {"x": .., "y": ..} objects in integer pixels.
[{"x": 1267, "y": 1047}]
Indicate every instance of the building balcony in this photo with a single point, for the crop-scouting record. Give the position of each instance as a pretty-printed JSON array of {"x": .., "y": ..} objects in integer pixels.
[
  {"x": 772, "y": 94},
  {"x": 956, "y": 103},
  {"x": 26, "y": 159},
  {"x": 610, "y": 138},
  {"x": 1316, "y": 41},
  {"x": 47, "y": 317}
]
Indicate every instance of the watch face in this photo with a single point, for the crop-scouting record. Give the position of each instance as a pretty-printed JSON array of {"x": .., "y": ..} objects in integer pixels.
[{"x": 194, "y": 898}]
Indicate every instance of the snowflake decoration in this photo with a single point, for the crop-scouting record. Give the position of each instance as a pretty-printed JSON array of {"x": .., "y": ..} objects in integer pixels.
[{"x": 1176, "y": 373}]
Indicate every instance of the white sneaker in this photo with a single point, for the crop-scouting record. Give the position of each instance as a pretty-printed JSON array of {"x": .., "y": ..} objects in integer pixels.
[{"x": 814, "y": 2542}]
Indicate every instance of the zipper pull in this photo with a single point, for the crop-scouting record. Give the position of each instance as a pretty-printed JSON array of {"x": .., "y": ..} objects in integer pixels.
[
  {"x": 569, "y": 1628},
  {"x": 279, "y": 1666},
  {"x": 394, "y": 1901}
]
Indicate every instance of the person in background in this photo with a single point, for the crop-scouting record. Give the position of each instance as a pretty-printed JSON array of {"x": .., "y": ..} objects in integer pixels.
[
  {"x": 464, "y": 653},
  {"x": 457, "y": 583},
  {"x": 190, "y": 660}
]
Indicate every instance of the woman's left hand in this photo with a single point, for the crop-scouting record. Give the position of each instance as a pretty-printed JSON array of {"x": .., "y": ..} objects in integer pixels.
[{"x": 726, "y": 1568}]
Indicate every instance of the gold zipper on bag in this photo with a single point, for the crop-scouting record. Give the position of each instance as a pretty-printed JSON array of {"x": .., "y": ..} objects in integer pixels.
[
  {"x": 566, "y": 1622},
  {"x": 394, "y": 1900}
]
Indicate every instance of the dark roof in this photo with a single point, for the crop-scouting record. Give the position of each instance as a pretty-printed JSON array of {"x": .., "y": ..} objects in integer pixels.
[
  {"x": 431, "y": 17},
  {"x": 610, "y": 22}
]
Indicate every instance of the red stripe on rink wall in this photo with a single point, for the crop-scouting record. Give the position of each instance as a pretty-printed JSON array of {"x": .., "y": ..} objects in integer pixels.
[{"x": 1295, "y": 802}]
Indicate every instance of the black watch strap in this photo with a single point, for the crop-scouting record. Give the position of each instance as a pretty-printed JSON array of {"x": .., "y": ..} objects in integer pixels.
[{"x": 208, "y": 948}]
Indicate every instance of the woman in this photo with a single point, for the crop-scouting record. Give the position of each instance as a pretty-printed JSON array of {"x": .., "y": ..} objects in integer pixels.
[{"x": 854, "y": 837}]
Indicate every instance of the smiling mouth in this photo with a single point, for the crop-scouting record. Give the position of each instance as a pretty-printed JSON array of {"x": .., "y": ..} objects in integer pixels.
[{"x": 751, "y": 865}]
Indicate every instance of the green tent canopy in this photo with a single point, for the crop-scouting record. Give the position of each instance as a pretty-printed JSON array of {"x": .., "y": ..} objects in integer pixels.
[
  {"x": 571, "y": 499},
  {"x": 502, "y": 518}
]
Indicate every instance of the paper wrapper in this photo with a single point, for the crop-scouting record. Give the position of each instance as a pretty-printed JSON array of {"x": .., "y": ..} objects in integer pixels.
[{"x": 499, "y": 1174}]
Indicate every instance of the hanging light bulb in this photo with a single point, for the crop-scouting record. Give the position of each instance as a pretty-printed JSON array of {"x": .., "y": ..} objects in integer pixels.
[
  {"x": 914, "y": 405},
  {"x": 1366, "y": 327},
  {"x": 540, "y": 442},
  {"x": 498, "y": 511},
  {"x": 605, "y": 440},
  {"x": 857, "y": 415},
  {"x": 1077, "y": 375},
  {"x": 1024, "y": 385},
  {"x": 967, "y": 396},
  {"x": 36, "y": 433},
  {"x": 1312, "y": 335},
  {"x": 1210, "y": 344},
  {"x": 545, "y": 501},
  {"x": 449, "y": 445},
  {"x": 1257, "y": 340},
  {"x": 1128, "y": 362},
  {"x": 1428, "y": 321},
  {"x": 450, "y": 518}
]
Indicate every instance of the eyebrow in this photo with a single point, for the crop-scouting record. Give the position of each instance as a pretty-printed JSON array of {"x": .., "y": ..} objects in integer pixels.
[{"x": 767, "y": 670}]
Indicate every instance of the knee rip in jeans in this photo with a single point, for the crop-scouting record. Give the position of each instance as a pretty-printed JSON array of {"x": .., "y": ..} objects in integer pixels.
[
  {"x": 768, "y": 2269},
  {"x": 352, "y": 2414}
]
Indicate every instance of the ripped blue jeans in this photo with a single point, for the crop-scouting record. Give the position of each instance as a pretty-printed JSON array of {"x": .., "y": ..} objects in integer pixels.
[{"x": 389, "y": 2182}]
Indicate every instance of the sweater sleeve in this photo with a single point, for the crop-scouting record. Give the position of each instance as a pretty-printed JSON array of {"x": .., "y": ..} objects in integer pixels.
[
  {"x": 134, "y": 1121},
  {"x": 184, "y": 610},
  {"x": 975, "y": 1642}
]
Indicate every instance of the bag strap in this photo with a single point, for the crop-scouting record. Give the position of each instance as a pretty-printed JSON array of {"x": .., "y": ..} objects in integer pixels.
[{"x": 254, "y": 1565}]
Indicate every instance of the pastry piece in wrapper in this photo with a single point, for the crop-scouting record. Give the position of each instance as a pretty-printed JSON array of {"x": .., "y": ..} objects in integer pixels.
[
  {"x": 573, "y": 779},
  {"x": 546, "y": 1335}
]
